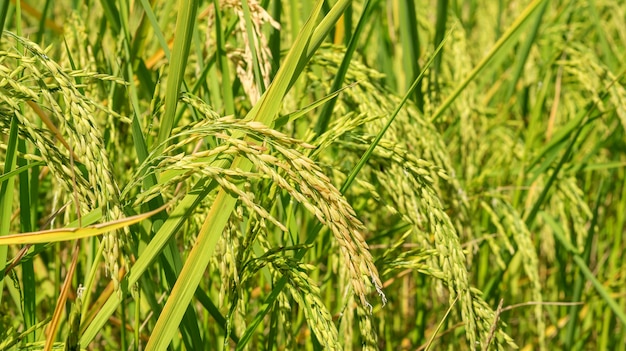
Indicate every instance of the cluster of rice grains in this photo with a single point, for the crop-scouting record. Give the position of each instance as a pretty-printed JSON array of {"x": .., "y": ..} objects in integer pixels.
[
  {"x": 276, "y": 159},
  {"x": 52, "y": 95},
  {"x": 243, "y": 58},
  {"x": 303, "y": 290},
  {"x": 403, "y": 184}
]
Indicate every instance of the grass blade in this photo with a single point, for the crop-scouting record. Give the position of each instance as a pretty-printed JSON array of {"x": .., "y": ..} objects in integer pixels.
[
  {"x": 508, "y": 35},
  {"x": 582, "y": 265},
  {"x": 185, "y": 23},
  {"x": 327, "y": 110},
  {"x": 6, "y": 195}
]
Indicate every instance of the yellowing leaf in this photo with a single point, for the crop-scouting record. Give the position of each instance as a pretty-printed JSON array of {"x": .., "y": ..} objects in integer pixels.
[{"x": 64, "y": 234}]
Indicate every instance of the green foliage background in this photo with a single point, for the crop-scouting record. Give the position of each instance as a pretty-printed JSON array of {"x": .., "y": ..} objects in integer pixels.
[{"x": 314, "y": 175}]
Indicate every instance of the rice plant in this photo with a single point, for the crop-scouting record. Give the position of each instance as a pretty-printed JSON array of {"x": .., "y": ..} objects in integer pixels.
[{"x": 283, "y": 175}]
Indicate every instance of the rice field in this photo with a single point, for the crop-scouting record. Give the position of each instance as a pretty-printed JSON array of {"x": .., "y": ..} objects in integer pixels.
[{"x": 284, "y": 175}]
